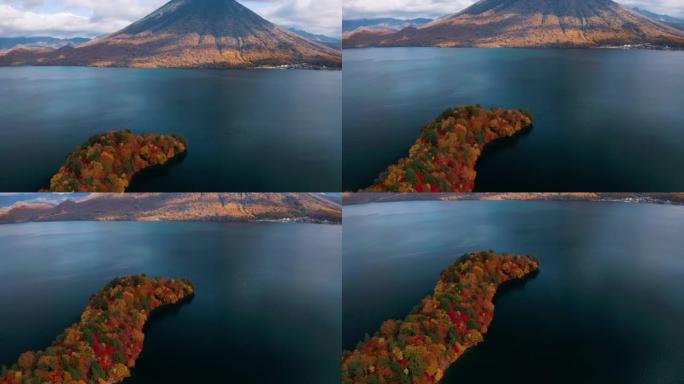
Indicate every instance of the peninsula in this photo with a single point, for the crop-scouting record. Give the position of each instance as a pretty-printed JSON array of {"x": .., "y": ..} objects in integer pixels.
[
  {"x": 443, "y": 158},
  {"x": 105, "y": 344},
  {"x": 441, "y": 328},
  {"x": 108, "y": 162}
]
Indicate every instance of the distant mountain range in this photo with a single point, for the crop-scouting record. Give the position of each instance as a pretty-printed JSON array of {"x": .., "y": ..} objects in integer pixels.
[
  {"x": 529, "y": 23},
  {"x": 382, "y": 23},
  {"x": 7, "y": 43},
  {"x": 657, "y": 198},
  {"x": 294, "y": 207},
  {"x": 331, "y": 42},
  {"x": 665, "y": 19},
  {"x": 190, "y": 34}
]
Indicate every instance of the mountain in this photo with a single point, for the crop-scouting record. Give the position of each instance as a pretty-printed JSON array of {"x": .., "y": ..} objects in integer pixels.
[
  {"x": 299, "y": 207},
  {"x": 530, "y": 23},
  {"x": 652, "y": 198},
  {"x": 190, "y": 34},
  {"x": 665, "y": 19},
  {"x": 382, "y": 23},
  {"x": 7, "y": 43},
  {"x": 328, "y": 41}
]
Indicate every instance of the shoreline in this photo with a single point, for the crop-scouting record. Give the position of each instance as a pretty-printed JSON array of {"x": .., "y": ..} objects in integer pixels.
[
  {"x": 107, "y": 341},
  {"x": 445, "y": 156},
  {"x": 443, "y": 326},
  {"x": 675, "y": 199}
]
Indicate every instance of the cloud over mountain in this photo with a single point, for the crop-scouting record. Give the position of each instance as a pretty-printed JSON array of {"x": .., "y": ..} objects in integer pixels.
[{"x": 69, "y": 18}]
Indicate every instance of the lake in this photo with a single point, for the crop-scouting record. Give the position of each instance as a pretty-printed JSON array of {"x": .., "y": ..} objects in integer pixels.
[
  {"x": 266, "y": 306},
  {"x": 251, "y": 130},
  {"x": 604, "y": 120},
  {"x": 606, "y": 306}
]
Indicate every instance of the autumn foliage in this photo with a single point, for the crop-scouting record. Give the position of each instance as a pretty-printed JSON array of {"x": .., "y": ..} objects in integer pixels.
[
  {"x": 104, "y": 346},
  {"x": 107, "y": 162},
  {"x": 443, "y": 158},
  {"x": 441, "y": 328}
]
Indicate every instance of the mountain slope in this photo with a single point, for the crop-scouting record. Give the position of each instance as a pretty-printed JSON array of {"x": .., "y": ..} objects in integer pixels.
[
  {"x": 328, "y": 41},
  {"x": 190, "y": 34},
  {"x": 351, "y": 25},
  {"x": 303, "y": 207},
  {"x": 530, "y": 23}
]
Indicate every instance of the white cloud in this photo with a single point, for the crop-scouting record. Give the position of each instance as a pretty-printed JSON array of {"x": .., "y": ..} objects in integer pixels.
[
  {"x": 129, "y": 10},
  {"x": 669, "y": 7},
  {"x": 315, "y": 16},
  {"x": 27, "y": 3},
  {"x": 354, "y": 9},
  {"x": 16, "y": 22},
  {"x": 89, "y": 18}
]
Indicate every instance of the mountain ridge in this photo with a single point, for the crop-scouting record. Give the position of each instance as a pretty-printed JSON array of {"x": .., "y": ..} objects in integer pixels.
[
  {"x": 665, "y": 19},
  {"x": 654, "y": 198},
  {"x": 191, "y": 34},
  {"x": 216, "y": 207},
  {"x": 8, "y": 43},
  {"x": 350, "y": 25},
  {"x": 530, "y": 23},
  {"x": 329, "y": 41}
]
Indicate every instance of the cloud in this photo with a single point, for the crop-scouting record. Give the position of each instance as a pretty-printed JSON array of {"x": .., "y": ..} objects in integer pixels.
[
  {"x": 669, "y": 7},
  {"x": 69, "y": 18},
  {"x": 16, "y": 22},
  {"x": 315, "y": 16},
  {"x": 27, "y": 3},
  {"x": 354, "y": 9},
  {"x": 90, "y": 18},
  {"x": 128, "y": 10}
]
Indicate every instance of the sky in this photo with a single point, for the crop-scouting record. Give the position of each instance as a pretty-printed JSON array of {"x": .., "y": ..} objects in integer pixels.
[
  {"x": 90, "y": 18},
  {"x": 404, "y": 9}
]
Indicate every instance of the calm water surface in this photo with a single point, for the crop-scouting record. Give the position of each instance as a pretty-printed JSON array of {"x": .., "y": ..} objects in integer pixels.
[
  {"x": 605, "y": 120},
  {"x": 606, "y": 307},
  {"x": 259, "y": 130},
  {"x": 266, "y": 309}
]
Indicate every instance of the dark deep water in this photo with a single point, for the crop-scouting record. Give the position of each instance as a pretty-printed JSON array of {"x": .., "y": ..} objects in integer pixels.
[
  {"x": 605, "y": 120},
  {"x": 258, "y": 130},
  {"x": 266, "y": 308},
  {"x": 606, "y": 307}
]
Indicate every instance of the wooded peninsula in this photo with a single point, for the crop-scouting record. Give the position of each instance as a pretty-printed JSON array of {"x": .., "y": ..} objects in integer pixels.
[
  {"x": 107, "y": 162},
  {"x": 443, "y": 158},
  {"x": 105, "y": 344},
  {"x": 419, "y": 349}
]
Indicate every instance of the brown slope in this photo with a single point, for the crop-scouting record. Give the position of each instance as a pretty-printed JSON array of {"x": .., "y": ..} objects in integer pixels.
[
  {"x": 301, "y": 207},
  {"x": 531, "y": 23},
  {"x": 190, "y": 34}
]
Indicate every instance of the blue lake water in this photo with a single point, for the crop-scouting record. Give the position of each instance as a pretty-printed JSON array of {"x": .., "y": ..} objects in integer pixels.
[
  {"x": 606, "y": 306},
  {"x": 266, "y": 308},
  {"x": 257, "y": 131},
  {"x": 604, "y": 120}
]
